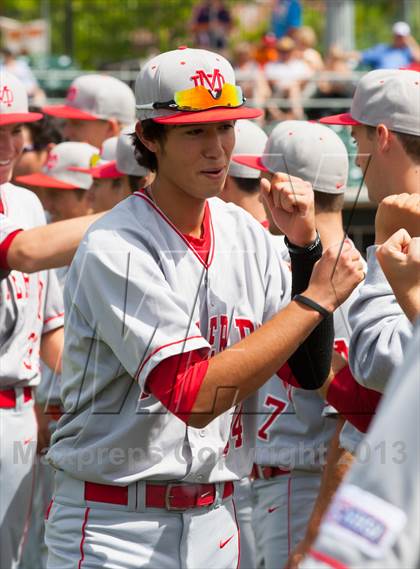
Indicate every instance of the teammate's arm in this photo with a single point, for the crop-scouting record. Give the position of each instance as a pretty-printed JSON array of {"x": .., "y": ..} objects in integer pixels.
[
  {"x": 52, "y": 349},
  {"x": 47, "y": 246}
]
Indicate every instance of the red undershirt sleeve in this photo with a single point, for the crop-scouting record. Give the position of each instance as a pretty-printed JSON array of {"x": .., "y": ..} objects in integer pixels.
[
  {"x": 4, "y": 248},
  {"x": 286, "y": 374},
  {"x": 177, "y": 380},
  {"x": 353, "y": 401}
]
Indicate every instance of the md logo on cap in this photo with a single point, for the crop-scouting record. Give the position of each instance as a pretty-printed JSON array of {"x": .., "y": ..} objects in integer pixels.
[
  {"x": 212, "y": 81},
  {"x": 6, "y": 96},
  {"x": 71, "y": 93},
  {"x": 51, "y": 161}
]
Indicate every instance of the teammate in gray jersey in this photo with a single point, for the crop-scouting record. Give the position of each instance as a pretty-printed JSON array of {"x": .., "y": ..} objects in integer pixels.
[
  {"x": 385, "y": 121},
  {"x": 373, "y": 520},
  {"x": 163, "y": 301},
  {"x": 295, "y": 431}
]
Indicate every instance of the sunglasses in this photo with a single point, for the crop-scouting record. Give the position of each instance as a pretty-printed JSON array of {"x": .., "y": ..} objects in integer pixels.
[{"x": 200, "y": 99}]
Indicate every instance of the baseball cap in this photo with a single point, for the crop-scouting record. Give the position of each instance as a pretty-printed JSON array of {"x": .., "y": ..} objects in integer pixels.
[
  {"x": 385, "y": 96},
  {"x": 307, "y": 150},
  {"x": 107, "y": 158},
  {"x": 58, "y": 173},
  {"x": 124, "y": 162},
  {"x": 93, "y": 97},
  {"x": 401, "y": 29},
  {"x": 187, "y": 86},
  {"x": 14, "y": 101},
  {"x": 250, "y": 139}
]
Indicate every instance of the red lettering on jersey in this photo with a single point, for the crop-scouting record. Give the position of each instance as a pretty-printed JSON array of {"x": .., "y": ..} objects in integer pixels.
[
  {"x": 18, "y": 288},
  {"x": 40, "y": 289},
  {"x": 212, "y": 330},
  {"x": 278, "y": 407},
  {"x": 27, "y": 362},
  {"x": 6, "y": 96},
  {"x": 244, "y": 326},
  {"x": 223, "y": 332},
  {"x": 237, "y": 427},
  {"x": 26, "y": 283},
  {"x": 341, "y": 346},
  {"x": 213, "y": 81}
]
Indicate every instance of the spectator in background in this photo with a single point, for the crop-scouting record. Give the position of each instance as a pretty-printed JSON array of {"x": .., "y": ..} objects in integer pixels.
[
  {"x": 306, "y": 40},
  {"x": 249, "y": 75},
  {"x": 39, "y": 138},
  {"x": 266, "y": 49},
  {"x": 22, "y": 71},
  {"x": 403, "y": 51},
  {"x": 286, "y": 77},
  {"x": 286, "y": 17},
  {"x": 211, "y": 25}
]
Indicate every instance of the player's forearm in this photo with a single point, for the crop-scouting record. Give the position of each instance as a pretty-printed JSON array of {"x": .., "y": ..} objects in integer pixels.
[
  {"x": 240, "y": 370},
  {"x": 51, "y": 351},
  {"x": 409, "y": 300},
  {"x": 48, "y": 246}
]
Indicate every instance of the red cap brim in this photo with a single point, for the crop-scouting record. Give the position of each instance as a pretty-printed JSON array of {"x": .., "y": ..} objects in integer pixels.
[
  {"x": 210, "y": 115},
  {"x": 344, "y": 119},
  {"x": 19, "y": 118},
  {"x": 65, "y": 112},
  {"x": 108, "y": 170},
  {"x": 44, "y": 181},
  {"x": 251, "y": 161}
]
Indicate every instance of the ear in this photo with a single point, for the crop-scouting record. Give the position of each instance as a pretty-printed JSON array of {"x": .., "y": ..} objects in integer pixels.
[
  {"x": 384, "y": 136},
  {"x": 151, "y": 145},
  {"x": 114, "y": 127}
]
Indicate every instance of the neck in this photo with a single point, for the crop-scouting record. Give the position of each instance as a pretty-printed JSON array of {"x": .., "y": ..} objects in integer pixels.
[
  {"x": 251, "y": 204},
  {"x": 185, "y": 211},
  {"x": 330, "y": 228}
]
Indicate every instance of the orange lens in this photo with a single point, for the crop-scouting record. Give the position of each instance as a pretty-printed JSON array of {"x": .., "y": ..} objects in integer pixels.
[{"x": 200, "y": 99}]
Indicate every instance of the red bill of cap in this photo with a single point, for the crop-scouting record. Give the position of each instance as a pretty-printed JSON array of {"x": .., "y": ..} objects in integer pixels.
[
  {"x": 251, "y": 161},
  {"x": 11, "y": 118},
  {"x": 45, "y": 181},
  {"x": 66, "y": 112},
  {"x": 210, "y": 115},
  {"x": 342, "y": 119},
  {"x": 108, "y": 170}
]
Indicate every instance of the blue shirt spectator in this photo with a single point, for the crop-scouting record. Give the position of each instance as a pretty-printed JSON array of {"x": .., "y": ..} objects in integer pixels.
[
  {"x": 384, "y": 56},
  {"x": 287, "y": 14}
]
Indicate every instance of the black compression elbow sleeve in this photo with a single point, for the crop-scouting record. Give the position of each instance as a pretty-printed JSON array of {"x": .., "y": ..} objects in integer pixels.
[{"x": 311, "y": 362}]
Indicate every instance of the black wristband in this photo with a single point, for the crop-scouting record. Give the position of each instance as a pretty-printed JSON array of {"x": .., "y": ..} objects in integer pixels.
[
  {"x": 312, "y": 304},
  {"x": 302, "y": 250}
]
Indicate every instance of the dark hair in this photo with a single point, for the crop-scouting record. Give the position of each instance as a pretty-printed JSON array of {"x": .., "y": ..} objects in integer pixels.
[
  {"x": 247, "y": 185},
  {"x": 45, "y": 131},
  {"x": 134, "y": 183},
  {"x": 80, "y": 193},
  {"x": 410, "y": 142},
  {"x": 328, "y": 203},
  {"x": 152, "y": 131}
]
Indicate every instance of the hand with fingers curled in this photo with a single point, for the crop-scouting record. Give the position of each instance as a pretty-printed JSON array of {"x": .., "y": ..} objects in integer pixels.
[
  {"x": 399, "y": 258},
  {"x": 291, "y": 203},
  {"x": 395, "y": 212},
  {"x": 336, "y": 275}
]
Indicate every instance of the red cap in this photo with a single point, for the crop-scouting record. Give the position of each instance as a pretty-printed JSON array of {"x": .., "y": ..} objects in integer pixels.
[
  {"x": 344, "y": 119},
  {"x": 210, "y": 115},
  {"x": 45, "y": 181},
  {"x": 11, "y": 118},
  {"x": 251, "y": 161},
  {"x": 104, "y": 171},
  {"x": 65, "y": 112}
]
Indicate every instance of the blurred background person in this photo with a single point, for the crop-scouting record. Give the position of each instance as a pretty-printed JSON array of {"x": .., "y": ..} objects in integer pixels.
[
  {"x": 20, "y": 68},
  {"x": 286, "y": 17},
  {"x": 306, "y": 41},
  {"x": 211, "y": 25}
]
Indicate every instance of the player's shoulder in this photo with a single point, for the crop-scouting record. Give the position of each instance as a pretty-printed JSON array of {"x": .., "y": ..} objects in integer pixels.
[
  {"x": 229, "y": 213},
  {"x": 22, "y": 205}
]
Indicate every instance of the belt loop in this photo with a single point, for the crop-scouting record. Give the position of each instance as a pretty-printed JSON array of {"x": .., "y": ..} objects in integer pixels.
[
  {"x": 141, "y": 496},
  {"x": 218, "y": 494},
  {"x": 132, "y": 497},
  {"x": 19, "y": 398}
]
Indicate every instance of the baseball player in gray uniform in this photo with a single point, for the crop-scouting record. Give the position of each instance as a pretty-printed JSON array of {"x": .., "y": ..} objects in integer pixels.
[
  {"x": 373, "y": 520},
  {"x": 97, "y": 107},
  {"x": 294, "y": 430},
  {"x": 162, "y": 303},
  {"x": 385, "y": 121}
]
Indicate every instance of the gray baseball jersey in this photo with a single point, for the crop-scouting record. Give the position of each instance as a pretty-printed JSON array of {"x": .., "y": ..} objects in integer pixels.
[
  {"x": 380, "y": 329},
  {"x": 374, "y": 518},
  {"x": 137, "y": 293}
]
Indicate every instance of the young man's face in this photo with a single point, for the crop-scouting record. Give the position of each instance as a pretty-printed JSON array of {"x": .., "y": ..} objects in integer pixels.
[
  {"x": 367, "y": 160},
  {"x": 31, "y": 160},
  {"x": 65, "y": 204},
  {"x": 92, "y": 132},
  {"x": 106, "y": 193},
  {"x": 195, "y": 158},
  {"x": 11, "y": 145}
]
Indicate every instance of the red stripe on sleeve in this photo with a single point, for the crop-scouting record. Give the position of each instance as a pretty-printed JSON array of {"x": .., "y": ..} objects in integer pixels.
[
  {"x": 286, "y": 374},
  {"x": 4, "y": 248},
  {"x": 177, "y": 380},
  {"x": 319, "y": 556},
  {"x": 355, "y": 402}
]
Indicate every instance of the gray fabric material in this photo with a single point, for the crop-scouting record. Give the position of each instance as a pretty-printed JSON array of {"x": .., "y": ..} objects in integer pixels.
[{"x": 380, "y": 330}]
